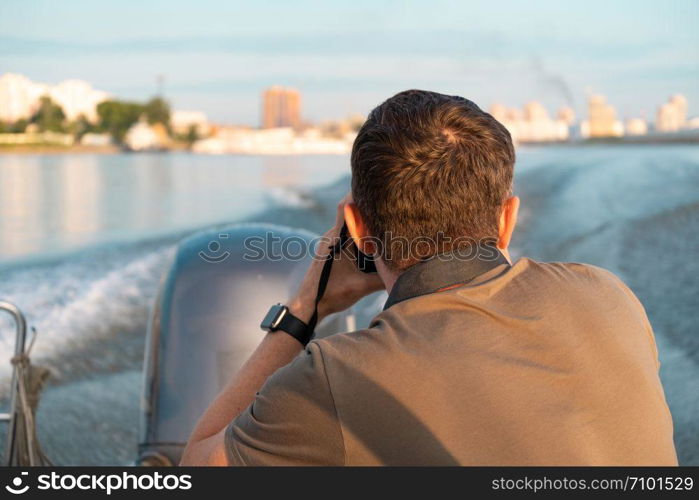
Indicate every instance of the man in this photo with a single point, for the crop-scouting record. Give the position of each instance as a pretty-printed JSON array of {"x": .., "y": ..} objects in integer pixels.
[{"x": 474, "y": 360}]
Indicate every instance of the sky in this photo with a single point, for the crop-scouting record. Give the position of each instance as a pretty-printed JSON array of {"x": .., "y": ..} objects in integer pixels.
[{"x": 348, "y": 56}]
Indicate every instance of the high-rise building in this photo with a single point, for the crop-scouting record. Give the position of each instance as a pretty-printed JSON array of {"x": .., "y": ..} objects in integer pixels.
[
  {"x": 567, "y": 115},
  {"x": 602, "y": 121},
  {"x": 672, "y": 115},
  {"x": 281, "y": 107},
  {"x": 534, "y": 111},
  {"x": 499, "y": 112},
  {"x": 533, "y": 124},
  {"x": 636, "y": 126}
]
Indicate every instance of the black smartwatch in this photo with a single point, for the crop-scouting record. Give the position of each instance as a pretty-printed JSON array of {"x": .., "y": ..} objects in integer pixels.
[{"x": 279, "y": 318}]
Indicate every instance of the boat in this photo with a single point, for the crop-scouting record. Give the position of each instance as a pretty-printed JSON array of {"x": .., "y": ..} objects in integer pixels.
[{"x": 206, "y": 322}]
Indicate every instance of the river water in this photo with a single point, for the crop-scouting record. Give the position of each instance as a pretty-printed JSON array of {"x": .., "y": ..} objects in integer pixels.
[{"x": 85, "y": 240}]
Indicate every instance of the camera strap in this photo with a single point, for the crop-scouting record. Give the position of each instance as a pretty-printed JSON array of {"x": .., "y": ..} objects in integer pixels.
[
  {"x": 323, "y": 283},
  {"x": 365, "y": 264}
]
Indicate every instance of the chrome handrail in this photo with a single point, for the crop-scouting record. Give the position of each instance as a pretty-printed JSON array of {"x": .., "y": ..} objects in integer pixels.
[{"x": 20, "y": 341}]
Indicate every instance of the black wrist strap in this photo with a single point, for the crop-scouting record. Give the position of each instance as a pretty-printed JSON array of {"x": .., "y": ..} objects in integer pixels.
[{"x": 296, "y": 328}]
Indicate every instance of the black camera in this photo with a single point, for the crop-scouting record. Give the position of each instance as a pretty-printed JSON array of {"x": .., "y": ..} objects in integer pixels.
[{"x": 365, "y": 263}]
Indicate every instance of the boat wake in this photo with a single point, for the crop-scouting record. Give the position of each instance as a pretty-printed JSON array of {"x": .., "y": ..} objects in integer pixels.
[{"x": 82, "y": 302}]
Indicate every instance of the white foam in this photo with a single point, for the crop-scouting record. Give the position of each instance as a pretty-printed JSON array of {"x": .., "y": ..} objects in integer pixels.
[{"x": 81, "y": 298}]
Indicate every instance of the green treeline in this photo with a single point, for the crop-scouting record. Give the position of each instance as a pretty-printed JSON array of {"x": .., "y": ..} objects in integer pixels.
[{"x": 114, "y": 117}]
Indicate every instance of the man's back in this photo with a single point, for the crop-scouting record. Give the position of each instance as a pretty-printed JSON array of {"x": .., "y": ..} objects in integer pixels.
[{"x": 547, "y": 364}]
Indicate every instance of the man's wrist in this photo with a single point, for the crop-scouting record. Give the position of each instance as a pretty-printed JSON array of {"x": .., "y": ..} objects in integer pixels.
[{"x": 303, "y": 307}]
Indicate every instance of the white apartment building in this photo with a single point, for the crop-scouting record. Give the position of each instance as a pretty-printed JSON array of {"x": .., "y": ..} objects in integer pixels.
[
  {"x": 77, "y": 97},
  {"x": 533, "y": 123},
  {"x": 19, "y": 97},
  {"x": 181, "y": 121}
]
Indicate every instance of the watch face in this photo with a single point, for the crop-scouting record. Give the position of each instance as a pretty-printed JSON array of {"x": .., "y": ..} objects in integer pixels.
[{"x": 273, "y": 317}]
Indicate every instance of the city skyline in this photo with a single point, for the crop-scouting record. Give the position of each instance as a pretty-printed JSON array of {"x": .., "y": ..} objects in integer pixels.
[
  {"x": 282, "y": 107},
  {"x": 349, "y": 57}
]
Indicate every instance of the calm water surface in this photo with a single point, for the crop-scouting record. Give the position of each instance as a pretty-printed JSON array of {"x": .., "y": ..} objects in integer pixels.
[{"x": 54, "y": 203}]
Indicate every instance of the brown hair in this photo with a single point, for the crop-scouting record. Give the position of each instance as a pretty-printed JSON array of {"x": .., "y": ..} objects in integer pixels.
[{"x": 428, "y": 166}]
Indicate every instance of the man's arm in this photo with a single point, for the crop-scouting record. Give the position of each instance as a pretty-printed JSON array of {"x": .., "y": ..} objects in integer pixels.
[{"x": 206, "y": 445}]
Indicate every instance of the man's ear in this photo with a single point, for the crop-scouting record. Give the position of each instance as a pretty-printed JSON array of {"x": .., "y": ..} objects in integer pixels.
[
  {"x": 508, "y": 221},
  {"x": 358, "y": 229}
]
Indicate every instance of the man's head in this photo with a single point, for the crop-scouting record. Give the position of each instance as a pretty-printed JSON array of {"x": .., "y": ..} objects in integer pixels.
[{"x": 434, "y": 171}]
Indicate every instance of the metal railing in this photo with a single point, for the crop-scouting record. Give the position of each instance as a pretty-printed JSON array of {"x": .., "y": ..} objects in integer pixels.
[{"x": 20, "y": 341}]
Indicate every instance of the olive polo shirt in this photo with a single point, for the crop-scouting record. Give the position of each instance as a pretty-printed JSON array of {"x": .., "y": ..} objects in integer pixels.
[{"x": 530, "y": 364}]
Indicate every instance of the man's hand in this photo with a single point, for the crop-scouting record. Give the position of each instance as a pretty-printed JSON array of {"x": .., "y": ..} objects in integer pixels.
[{"x": 347, "y": 283}]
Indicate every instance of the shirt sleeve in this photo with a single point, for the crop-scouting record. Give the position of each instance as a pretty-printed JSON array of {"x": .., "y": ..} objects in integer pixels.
[{"x": 292, "y": 420}]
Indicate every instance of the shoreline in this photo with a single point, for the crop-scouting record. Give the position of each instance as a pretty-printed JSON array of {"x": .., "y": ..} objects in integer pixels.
[
  {"x": 49, "y": 148},
  {"x": 111, "y": 149},
  {"x": 79, "y": 149}
]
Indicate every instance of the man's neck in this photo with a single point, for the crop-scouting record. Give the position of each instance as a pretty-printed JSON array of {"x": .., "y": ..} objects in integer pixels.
[
  {"x": 506, "y": 253},
  {"x": 388, "y": 276}
]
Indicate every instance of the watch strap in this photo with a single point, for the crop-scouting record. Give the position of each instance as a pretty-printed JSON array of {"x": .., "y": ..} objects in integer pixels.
[{"x": 295, "y": 327}]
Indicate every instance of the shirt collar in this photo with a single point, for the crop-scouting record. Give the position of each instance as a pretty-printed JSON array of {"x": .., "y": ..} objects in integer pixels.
[{"x": 441, "y": 271}]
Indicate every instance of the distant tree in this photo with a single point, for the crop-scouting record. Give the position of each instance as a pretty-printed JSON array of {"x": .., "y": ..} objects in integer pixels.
[
  {"x": 4, "y": 127},
  {"x": 192, "y": 135},
  {"x": 116, "y": 117},
  {"x": 18, "y": 127},
  {"x": 79, "y": 127},
  {"x": 157, "y": 110},
  {"x": 49, "y": 116}
]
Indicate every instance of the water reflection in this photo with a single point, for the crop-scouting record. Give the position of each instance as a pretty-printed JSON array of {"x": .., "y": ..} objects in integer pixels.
[
  {"x": 51, "y": 203},
  {"x": 20, "y": 195},
  {"x": 278, "y": 173},
  {"x": 80, "y": 199}
]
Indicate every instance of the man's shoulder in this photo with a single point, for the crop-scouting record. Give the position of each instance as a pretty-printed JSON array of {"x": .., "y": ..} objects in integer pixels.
[
  {"x": 586, "y": 285},
  {"x": 361, "y": 341},
  {"x": 566, "y": 287},
  {"x": 569, "y": 273},
  {"x": 578, "y": 268},
  {"x": 355, "y": 349}
]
